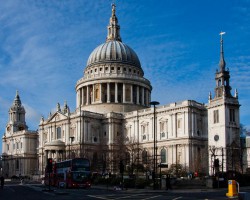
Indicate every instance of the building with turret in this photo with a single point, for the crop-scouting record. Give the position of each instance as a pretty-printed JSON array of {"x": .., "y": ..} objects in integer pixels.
[
  {"x": 19, "y": 149},
  {"x": 223, "y": 122},
  {"x": 113, "y": 120}
]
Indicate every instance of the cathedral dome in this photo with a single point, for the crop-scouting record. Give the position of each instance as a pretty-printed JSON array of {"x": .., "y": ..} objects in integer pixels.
[
  {"x": 114, "y": 51},
  {"x": 113, "y": 78}
]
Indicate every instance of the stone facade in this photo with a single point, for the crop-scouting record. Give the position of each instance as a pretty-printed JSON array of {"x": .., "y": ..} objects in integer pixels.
[
  {"x": 223, "y": 123},
  {"x": 113, "y": 120},
  {"x": 19, "y": 153}
]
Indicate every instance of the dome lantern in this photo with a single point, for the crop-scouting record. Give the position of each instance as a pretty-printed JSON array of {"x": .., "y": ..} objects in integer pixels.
[{"x": 113, "y": 27}]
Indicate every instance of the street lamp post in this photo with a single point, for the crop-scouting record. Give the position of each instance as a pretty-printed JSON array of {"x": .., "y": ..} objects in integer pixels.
[{"x": 154, "y": 103}]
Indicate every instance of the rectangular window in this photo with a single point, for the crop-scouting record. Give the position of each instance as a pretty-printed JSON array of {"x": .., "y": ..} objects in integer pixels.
[
  {"x": 216, "y": 116},
  {"x": 179, "y": 123},
  {"x": 143, "y": 129},
  {"x": 162, "y": 127},
  {"x": 232, "y": 115},
  {"x": 58, "y": 132}
]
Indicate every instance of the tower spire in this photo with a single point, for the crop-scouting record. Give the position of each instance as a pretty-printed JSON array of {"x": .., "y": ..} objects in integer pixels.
[
  {"x": 222, "y": 63},
  {"x": 113, "y": 27},
  {"x": 222, "y": 76},
  {"x": 17, "y": 101}
]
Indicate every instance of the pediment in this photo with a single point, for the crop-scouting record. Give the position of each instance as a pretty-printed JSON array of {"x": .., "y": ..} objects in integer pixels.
[
  {"x": 57, "y": 116},
  {"x": 162, "y": 119},
  {"x": 144, "y": 122}
]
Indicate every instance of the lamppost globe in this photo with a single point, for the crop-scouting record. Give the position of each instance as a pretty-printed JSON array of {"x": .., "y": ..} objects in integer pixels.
[{"x": 154, "y": 103}]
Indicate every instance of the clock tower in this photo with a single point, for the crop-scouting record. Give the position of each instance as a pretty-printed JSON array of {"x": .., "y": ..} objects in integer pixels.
[{"x": 223, "y": 122}]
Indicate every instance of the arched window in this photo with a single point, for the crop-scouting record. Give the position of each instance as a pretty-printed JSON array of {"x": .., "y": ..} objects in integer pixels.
[
  {"x": 163, "y": 156},
  {"x": 97, "y": 93},
  {"x": 58, "y": 133},
  {"x": 219, "y": 82},
  {"x": 144, "y": 157}
]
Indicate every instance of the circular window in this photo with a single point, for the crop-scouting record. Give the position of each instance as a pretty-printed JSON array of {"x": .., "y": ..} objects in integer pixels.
[{"x": 216, "y": 138}]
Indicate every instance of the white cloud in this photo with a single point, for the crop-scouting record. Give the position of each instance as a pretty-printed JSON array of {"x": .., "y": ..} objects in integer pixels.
[{"x": 32, "y": 116}]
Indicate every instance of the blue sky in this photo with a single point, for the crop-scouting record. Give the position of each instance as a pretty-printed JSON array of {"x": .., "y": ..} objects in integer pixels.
[{"x": 44, "y": 47}]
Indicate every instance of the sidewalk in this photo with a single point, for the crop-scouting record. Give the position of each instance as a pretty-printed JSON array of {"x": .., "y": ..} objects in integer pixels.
[{"x": 179, "y": 190}]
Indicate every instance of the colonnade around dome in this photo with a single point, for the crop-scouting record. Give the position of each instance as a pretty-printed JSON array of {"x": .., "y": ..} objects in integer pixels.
[{"x": 113, "y": 92}]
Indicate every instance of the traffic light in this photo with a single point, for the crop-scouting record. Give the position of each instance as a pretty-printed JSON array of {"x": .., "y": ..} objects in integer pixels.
[{"x": 49, "y": 165}]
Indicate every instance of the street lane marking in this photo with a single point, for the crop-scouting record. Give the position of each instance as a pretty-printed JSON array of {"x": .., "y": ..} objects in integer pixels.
[
  {"x": 125, "y": 197},
  {"x": 177, "y": 198},
  {"x": 97, "y": 197},
  {"x": 152, "y": 197}
]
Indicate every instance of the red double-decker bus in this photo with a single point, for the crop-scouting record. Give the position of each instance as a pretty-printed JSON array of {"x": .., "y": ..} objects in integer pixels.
[{"x": 72, "y": 173}]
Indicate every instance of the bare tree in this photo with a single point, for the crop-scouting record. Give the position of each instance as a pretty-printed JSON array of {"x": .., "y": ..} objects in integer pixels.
[{"x": 134, "y": 149}]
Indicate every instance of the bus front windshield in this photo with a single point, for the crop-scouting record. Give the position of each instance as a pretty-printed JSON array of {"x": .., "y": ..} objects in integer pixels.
[{"x": 80, "y": 176}]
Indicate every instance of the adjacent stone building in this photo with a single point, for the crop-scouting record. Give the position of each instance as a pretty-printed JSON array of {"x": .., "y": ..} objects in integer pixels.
[{"x": 19, "y": 145}]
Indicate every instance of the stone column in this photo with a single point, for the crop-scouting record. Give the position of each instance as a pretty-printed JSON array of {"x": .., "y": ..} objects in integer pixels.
[
  {"x": 142, "y": 100},
  {"x": 93, "y": 94},
  {"x": 77, "y": 99},
  {"x": 83, "y": 96},
  {"x": 123, "y": 92},
  {"x": 116, "y": 92},
  {"x": 145, "y": 96},
  {"x": 131, "y": 93},
  {"x": 49, "y": 154},
  {"x": 100, "y": 85},
  {"x": 87, "y": 102},
  {"x": 110, "y": 139},
  {"x": 192, "y": 121},
  {"x": 138, "y": 94},
  {"x": 55, "y": 135},
  {"x": 46, "y": 156},
  {"x": 80, "y": 97},
  {"x": 108, "y": 92}
]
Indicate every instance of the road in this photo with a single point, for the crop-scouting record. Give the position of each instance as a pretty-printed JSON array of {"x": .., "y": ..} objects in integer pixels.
[{"x": 38, "y": 192}]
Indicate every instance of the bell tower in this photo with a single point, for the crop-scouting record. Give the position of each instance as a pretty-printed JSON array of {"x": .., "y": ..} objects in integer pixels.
[
  {"x": 223, "y": 122},
  {"x": 16, "y": 116}
]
